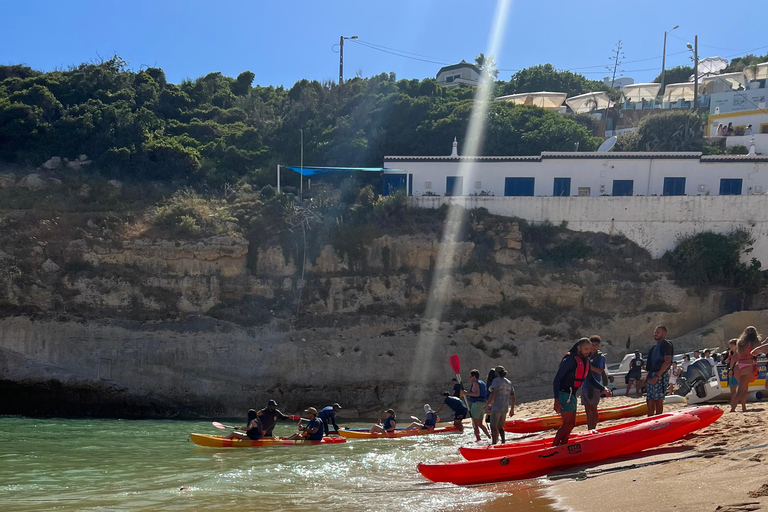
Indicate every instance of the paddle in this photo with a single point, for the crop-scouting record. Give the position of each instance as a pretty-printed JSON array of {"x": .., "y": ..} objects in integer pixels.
[
  {"x": 454, "y": 360},
  {"x": 221, "y": 425}
]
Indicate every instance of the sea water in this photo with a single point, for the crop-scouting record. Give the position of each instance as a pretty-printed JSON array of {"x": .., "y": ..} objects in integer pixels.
[{"x": 147, "y": 465}]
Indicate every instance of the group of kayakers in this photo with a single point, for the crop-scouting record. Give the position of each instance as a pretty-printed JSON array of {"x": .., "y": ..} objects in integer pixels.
[{"x": 261, "y": 423}]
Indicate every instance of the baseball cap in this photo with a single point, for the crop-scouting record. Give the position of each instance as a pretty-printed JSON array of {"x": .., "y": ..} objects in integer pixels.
[{"x": 272, "y": 402}]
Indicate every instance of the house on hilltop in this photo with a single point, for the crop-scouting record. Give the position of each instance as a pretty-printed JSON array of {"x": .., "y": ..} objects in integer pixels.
[{"x": 459, "y": 75}]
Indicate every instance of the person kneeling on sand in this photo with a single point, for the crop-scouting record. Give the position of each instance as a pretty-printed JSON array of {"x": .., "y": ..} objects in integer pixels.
[
  {"x": 390, "y": 423},
  {"x": 314, "y": 429},
  {"x": 574, "y": 370},
  {"x": 253, "y": 430},
  {"x": 430, "y": 420}
]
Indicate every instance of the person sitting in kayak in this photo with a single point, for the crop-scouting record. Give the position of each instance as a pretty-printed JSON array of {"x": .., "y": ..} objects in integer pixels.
[
  {"x": 390, "y": 423},
  {"x": 328, "y": 415},
  {"x": 574, "y": 370},
  {"x": 269, "y": 416},
  {"x": 253, "y": 430},
  {"x": 457, "y": 406},
  {"x": 430, "y": 420},
  {"x": 314, "y": 429}
]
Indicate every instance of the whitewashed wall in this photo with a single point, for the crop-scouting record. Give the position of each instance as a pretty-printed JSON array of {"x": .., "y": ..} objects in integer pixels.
[
  {"x": 702, "y": 176},
  {"x": 655, "y": 223}
]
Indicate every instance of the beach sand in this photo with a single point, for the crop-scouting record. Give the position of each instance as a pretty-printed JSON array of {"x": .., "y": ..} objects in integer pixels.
[{"x": 719, "y": 480}]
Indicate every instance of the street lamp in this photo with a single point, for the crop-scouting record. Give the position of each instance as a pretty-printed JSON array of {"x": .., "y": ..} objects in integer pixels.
[
  {"x": 341, "y": 57},
  {"x": 695, "y": 50},
  {"x": 664, "y": 57}
]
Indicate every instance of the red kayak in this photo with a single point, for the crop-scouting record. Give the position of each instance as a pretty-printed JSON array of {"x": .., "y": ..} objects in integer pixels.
[
  {"x": 484, "y": 452},
  {"x": 537, "y": 461}
]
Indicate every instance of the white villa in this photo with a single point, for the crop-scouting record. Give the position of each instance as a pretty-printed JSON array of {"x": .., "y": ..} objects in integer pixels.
[{"x": 457, "y": 75}]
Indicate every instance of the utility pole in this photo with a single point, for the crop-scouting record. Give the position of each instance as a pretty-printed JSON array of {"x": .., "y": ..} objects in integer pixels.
[
  {"x": 301, "y": 184},
  {"x": 341, "y": 57},
  {"x": 696, "y": 74},
  {"x": 615, "y": 56},
  {"x": 664, "y": 58}
]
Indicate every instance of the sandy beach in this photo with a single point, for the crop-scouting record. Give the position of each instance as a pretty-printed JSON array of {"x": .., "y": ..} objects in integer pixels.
[{"x": 719, "y": 468}]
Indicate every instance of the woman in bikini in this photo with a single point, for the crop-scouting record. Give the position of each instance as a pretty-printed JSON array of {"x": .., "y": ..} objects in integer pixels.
[
  {"x": 761, "y": 349},
  {"x": 743, "y": 364}
]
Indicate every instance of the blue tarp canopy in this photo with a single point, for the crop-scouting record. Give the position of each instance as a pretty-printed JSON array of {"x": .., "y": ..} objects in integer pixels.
[{"x": 311, "y": 171}]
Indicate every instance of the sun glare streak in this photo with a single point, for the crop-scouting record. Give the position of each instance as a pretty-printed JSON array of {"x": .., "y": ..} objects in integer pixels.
[{"x": 440, "y": 288}]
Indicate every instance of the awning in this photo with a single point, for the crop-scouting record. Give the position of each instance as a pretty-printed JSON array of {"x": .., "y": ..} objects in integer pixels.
[
  {"x": 724, "y": 83},
  {"x": 757, "y": 72},
  {"x": 543, "y": 99},
  {"x": 589, "y": 102},
  {"x": 636, "y": 93},
  {"x": 682, "y": 91},
  {"x": 311, "y": 171}
]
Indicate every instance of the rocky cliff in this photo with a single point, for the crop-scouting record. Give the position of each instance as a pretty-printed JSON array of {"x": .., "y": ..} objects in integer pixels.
[{"x": 96, "y": 320}]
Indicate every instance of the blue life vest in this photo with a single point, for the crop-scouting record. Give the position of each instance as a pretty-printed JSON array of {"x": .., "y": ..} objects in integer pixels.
[
  {"x": 316, "y": 423},
  {"x": 388, "y": 422},
  {"x": 431, "y": 420},
  {"x": 483, "y": 393}
]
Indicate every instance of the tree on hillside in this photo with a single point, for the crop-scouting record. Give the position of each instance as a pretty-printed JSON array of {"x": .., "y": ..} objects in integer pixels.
[
  {"x": 674, "y": 130},
  {"x": 676, "y": 75},
  {"x": 740, "y": 63},
  {"x": 547, "y": 78},
  {"x": 487, "y": 64}
]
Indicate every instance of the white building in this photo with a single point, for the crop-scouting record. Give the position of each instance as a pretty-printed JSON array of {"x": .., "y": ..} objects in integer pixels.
[
  {"x": 461, "y": 74},
  {"x": 579, "y": 174},
  {"x": 619, "y": 83}
]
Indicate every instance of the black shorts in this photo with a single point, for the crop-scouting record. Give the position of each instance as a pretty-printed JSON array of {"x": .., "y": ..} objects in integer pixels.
[
  {"x": 253, "y": 436},
  {"x": 459, "y": 416}
]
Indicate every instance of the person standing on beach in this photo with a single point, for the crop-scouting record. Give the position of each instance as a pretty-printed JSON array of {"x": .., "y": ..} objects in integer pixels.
[
  {"x": 477, "y": 398},
  {"x": 659, "y": 362},
  {"x": 590, "y": 396},
  {"x": 502, "y": 400},
  {"x": 574, "y": 370},
  {"x": 743, "y": 365},
  {"x": 635, "y": 373}
]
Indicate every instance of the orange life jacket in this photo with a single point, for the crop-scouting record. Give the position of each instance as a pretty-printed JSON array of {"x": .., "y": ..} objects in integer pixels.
[{"x": 582, "y": 370}]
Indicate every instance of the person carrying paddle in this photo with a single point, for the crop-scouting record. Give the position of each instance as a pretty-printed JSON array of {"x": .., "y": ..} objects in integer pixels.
[
  {"x": 314, "y": 429},
  {"x": 253, "y": 429},
  {"x": 590, "y": 397},
  {"x": 659, "y": 361},
  {"x": 477, "y": 395},
  {"x": 457, "y": 406},
  {"x": 574, "y": 370},
  {"x": 502, "y": 399},
  {"x": 389, "y": 426},
  {"x": 328, "y": 415},
  {"x": 269, "y": 416}
]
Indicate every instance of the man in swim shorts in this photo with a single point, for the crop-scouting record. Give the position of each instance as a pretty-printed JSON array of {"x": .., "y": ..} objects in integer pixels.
[{"x": 659, "y": 362}]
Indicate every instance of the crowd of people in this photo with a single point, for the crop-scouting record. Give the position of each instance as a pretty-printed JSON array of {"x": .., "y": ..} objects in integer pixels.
[{"x": 581, "y": 373}]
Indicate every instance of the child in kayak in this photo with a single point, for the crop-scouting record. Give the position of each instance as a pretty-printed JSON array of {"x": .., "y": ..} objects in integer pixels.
[
  {"x": 253, "y": 430},
  {"x": 390, "y": 423}
]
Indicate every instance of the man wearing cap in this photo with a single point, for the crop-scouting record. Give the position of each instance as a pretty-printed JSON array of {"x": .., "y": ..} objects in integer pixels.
[
  {"x": 328, "y": 415},
  {"x": 314, "y": 429},
  {"x": 269, "y": 416},
  {"x": 502, "y": 399}
]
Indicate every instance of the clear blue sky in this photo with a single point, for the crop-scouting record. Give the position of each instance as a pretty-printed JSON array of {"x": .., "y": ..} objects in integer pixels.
[{"x": 282, "y": 42}]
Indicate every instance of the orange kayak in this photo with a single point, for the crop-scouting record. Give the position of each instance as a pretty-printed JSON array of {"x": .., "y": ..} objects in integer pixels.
[
  {"x": 637, "y": 436},
  {"x": 401, "y": 432},
  {"x": 222, "y": 442},
  {"x": 531, "y": 425}
]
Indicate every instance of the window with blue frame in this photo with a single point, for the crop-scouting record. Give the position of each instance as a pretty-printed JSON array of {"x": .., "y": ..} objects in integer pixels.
[
  {"x": 517, "y": 187},
  {"x": 674, "y": 186},
  {"x": 730, "y": 187},
  {"x": 623, "y": 187},
  {"x": 391, "y": 183},
  {"x": 454, "y": 186},
  {"x": 562, "y": 187}
]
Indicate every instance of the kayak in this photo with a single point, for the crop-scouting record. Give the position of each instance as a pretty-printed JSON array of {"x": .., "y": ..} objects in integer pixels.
[
  {"x": 532, "y": 425},
  {"x": 400, "y": 432},
  {"x": 497, "y": 450},
  {"x": 222, "y": 442},
  {"x": 656, "y": 431}
]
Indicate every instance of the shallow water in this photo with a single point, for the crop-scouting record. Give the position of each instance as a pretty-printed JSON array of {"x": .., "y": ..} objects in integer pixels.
[{"x": 116, "y": 465}]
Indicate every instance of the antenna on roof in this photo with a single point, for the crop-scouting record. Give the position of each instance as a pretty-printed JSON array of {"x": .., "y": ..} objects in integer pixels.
[{"x": 607, "y": 145}]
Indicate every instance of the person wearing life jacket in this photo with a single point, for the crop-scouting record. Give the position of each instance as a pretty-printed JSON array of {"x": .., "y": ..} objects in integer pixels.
[
  {"x": 389, "y": 426},
  {"x": 478, "y": 395},
  {"x": 573, "y": 372},
  {"x": 252, "y": 430},
  {"x": 590, "y": 397}
]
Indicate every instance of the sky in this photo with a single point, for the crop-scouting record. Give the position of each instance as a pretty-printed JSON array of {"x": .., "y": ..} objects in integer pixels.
[{"x": 283, "y": 42}]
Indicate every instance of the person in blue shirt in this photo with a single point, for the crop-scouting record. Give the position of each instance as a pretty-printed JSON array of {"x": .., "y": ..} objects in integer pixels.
[
  {"x": 328, "y": 415},
  {"x": 314, "y": 429},
  {"x": 389, "y": 426},
  {"x": 478, "y": 395},
  {"x": 590, "y": 396},
  {"x": 457, "y": 406}
]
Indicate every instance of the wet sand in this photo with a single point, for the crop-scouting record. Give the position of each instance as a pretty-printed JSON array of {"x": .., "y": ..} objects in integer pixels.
[{"x": 721, "y": 479}]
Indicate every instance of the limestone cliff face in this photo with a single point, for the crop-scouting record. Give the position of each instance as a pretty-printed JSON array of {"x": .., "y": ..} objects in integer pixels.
[{"x": 159, "y": 327}]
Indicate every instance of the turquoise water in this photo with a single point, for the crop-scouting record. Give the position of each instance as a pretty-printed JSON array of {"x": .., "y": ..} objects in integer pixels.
[{"x": 116, "y": 465}]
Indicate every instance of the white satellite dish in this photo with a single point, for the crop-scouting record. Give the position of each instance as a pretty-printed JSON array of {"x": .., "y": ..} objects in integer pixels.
[{"x": 607, "y": 145}]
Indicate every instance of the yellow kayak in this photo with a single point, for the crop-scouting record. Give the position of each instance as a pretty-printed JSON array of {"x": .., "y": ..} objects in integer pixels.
[
  {"x": 530, "y": 425},
  {"x": 401, "y": 432},
  {"x": 222, "y": 442}
]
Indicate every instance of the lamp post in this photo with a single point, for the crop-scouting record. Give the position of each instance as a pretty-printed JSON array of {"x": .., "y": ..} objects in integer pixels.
[
  {"x": 341, "y": 57},
  {"x": 664, "y": 57},
  {"x": 695, "y": 50}
]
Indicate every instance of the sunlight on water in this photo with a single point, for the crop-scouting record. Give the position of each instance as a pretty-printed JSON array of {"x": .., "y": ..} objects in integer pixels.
[
  {"x": 110, "y": 465},
  {"x": 455, "y": 219}
]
